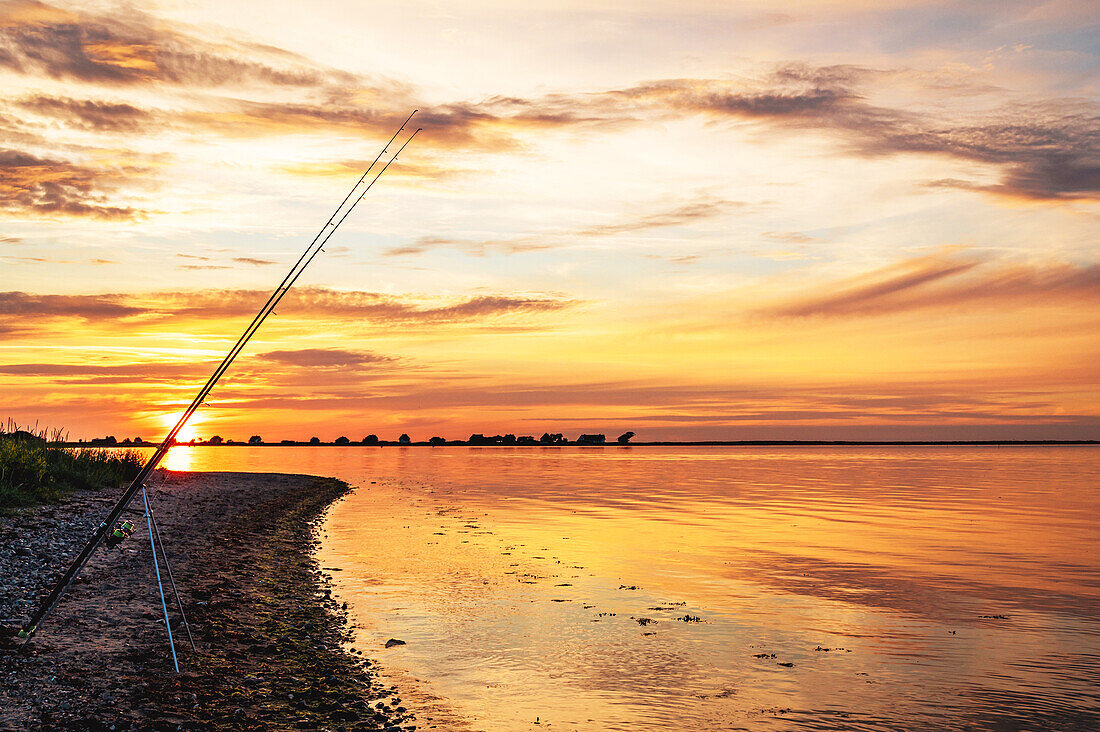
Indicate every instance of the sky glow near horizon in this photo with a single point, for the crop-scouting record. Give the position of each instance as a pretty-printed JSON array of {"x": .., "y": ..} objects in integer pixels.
[{"x": 819, "y": 220}]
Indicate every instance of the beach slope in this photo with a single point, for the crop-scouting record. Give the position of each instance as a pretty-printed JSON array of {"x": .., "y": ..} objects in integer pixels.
[{"x": 271, "y": 640}]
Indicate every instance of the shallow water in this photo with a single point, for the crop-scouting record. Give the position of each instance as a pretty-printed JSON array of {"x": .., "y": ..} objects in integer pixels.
[{"x": 898, "y": 588}]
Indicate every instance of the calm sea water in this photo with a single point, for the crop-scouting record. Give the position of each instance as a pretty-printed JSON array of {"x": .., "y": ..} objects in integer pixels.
[{"x": 715, "y": 588}]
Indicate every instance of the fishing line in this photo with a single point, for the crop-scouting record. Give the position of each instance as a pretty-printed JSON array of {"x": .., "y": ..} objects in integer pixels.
[
  {"x": 171, "y": 578},
  {"x": 160, "y": 585},
  {"x": 152, "y": 489}
]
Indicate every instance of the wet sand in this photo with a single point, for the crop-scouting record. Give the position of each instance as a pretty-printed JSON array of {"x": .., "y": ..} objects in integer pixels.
[{"x": 271, "y": 641}]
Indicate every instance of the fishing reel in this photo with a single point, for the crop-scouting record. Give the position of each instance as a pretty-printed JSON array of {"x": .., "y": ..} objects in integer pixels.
[{"x": 120, "y": 532}]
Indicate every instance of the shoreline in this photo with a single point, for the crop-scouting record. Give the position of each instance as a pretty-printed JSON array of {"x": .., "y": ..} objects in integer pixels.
[
  {"x": 698, "y": 443},
  {"x": 271, "y": 641}
]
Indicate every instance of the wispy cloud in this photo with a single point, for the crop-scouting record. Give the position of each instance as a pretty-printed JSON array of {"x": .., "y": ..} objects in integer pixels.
[
  {"x": 1051, "y": 152},
  {"x": 679, "y": 214},
  {"x": 789, "y": 237},
  {"x": 269, "y": 369},
  {"x": 211, "y": 262},
  {"x": 304, "y": 302},
  {"x": 420, "y": 169},
  {"x": 22, "y": 305},
  {"x": 53, "y": 187},
  {"x": 945, "y": 280},
  {"x": 55, "y": 260},
  {"x": 89, "y": 114},
  {"x": 325, "y": 358},
  {"x": 109, "y": 373},
  {"x": 376, "y": 307}
]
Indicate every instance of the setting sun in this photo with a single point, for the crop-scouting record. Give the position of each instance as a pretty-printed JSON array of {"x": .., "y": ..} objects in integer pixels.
[{"x": 190, "y": 431}]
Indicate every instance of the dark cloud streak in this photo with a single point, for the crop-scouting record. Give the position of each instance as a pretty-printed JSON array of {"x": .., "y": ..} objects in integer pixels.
[
  {"x": 50, "y": 187},
  {"x": 307, "y": 303},
  {"x": 90, "y": 114},
  {"x": 939, "y": 281},
  {"x": 325, "y": 358},
  {"x": 24, "y": 305},
  {"x": 677, "y": 215}
]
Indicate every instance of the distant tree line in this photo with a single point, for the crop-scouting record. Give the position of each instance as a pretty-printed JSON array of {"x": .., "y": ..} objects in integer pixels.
[{"x": 548, "y": 438}]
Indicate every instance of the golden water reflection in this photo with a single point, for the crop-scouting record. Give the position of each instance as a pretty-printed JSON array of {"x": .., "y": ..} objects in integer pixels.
[{"x": 911, "y": 588}]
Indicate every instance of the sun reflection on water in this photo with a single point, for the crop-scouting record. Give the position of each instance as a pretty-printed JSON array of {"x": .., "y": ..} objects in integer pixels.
[{"x": 180, "y": 457}]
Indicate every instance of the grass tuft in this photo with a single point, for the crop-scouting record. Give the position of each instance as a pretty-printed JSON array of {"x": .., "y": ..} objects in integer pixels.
[{"x": 33, "y": 471}]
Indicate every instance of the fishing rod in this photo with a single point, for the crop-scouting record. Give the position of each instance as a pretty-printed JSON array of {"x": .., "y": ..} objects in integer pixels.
[
  {"x": 307, "y": 256},
  {"x": 282, "y": 290},
  {"x": 282, "y": 287},
  {"x": 291, "y": 277}
]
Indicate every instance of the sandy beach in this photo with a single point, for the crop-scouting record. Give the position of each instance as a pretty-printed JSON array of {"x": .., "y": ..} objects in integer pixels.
[{"x": 270, "y": 639}]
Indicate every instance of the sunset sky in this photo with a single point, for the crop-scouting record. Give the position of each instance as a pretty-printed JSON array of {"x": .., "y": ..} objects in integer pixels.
[{"x": 693, "y": 220}]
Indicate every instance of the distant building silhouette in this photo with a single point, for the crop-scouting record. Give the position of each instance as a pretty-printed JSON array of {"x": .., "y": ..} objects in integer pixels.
[
  {"x": 591, "y": 439},
  {"x": 552, "y": 439},
  {"x": 341, "y": 440},
  {"x": 437, "y": 441},
  {"x": 404, "y": 439},
  {"x": 370, "y": 440},
  {"x": 315, "y": 440},
  {"x": 255, "y": 440},
  {"x": 624, "y": 438},
  {"x": 480, "y": 439}
]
